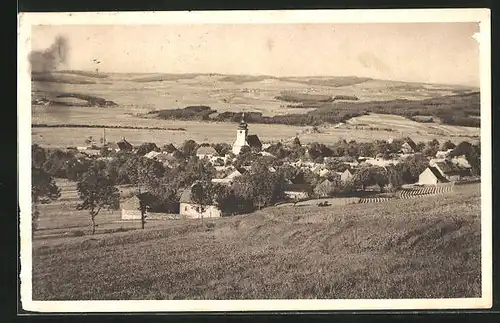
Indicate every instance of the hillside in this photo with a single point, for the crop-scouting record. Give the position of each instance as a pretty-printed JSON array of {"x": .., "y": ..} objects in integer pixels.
[
  {"x": 227, "y": 92},
  {"x": 426, "y": 247}
]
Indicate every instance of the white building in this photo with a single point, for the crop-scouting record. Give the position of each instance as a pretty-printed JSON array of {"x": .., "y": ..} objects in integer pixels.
[
  {"x": 243, "y": 139},
  {"x": 188, "y": 209}
]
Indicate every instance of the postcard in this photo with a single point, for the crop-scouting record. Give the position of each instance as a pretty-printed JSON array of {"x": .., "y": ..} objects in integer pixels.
[{"x": 224, "y": 161}]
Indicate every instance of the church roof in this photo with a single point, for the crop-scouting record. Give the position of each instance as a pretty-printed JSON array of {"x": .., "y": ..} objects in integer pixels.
[{"x": 254, "y": 141}]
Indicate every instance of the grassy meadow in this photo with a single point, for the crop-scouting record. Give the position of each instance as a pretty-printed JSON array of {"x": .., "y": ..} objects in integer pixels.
[{"x": 420, "y": 248}]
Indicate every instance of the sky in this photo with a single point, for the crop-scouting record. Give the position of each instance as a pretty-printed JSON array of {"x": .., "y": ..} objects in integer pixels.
[{"x": 418, "y": 52}]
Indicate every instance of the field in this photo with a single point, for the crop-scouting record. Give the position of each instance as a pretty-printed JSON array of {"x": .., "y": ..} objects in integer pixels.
[
  {"x": 137, "y": 94},
  {"x": 418, "y": 248}
]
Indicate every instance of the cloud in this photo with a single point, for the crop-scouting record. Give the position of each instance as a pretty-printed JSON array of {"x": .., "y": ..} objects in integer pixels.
[{"x": 50, "y": 59}]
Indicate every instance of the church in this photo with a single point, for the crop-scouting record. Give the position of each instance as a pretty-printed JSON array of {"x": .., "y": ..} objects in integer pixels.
[{"x": 244, "y": 139}]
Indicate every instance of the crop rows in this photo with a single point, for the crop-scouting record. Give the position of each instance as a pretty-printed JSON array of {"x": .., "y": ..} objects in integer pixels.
[
  {"x": 425, "y": 191},
  {"x": 373, "y": 199}
]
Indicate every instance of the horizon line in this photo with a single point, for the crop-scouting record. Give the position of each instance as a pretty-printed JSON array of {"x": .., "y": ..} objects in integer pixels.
[{"x": 265, "y": 75}]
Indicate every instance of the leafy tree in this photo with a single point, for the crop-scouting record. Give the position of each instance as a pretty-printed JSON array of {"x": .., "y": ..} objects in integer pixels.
[
  {"x": 411, "y": 168},
  {"x": 38, "y": 156},
  {"x": 382, "y": 147},
  {"x": 225, "y": 199},
  {"x": 319, "y": 150},
  {"x": 43, "y": 190},
  {"x": 245, "y": 157},
  {"x": 370, "y": 175},
  {"x": 394, "y": 179},
  {"x": 146, "y": 148},
  {"x": 75, "y": 168},
  {"x": 194, "y": 170},
  {"x": 56, "y": 162},
  {"x": 296, "y": 142},
  {"x": 189, "y": 147},
  {"x": 140, "y": 170},
  {"x": 472, "y": 153},
  {"x": 336, "y": 166},
  {"x": 260, "y": 185},
  {"x": 222, "y": 148},
  {"x": 164, "y": 193},
  {"x": 202, "y": 195},
  {"x": 96, "y": 191},
  {"x": 430, "y": 150},
  {"x": 420, "y": 147}
]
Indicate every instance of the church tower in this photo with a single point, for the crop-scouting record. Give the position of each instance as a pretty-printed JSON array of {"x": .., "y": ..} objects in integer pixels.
[{"x": 241, "y": 135}]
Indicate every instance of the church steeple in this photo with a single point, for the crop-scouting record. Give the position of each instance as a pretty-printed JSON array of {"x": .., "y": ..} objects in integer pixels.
[
  {"x": 241, "y": 135},
  {"x": 243, "y": 125}
]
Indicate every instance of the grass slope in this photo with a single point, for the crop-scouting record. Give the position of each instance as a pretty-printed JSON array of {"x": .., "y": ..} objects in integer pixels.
[{"x": 428, "y": 247}]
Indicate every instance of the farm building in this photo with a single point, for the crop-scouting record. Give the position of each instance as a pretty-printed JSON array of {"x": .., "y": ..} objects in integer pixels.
[
  {"x": 124, "y": 145},
  {"x": 206, "y": 151},
  {"x": 449, "y": 170},
  {"x": 431, "y": 176},
  {"x": 131, "y": 207},
  {"x": 345, "y": 175},
  {"x": 408, "y": 146},
  {"x": 188, "y": 209},
  {"x": 297, "y": 191}
]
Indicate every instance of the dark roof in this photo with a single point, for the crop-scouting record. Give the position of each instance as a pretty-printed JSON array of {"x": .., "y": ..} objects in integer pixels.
[
  {"x": 254, "y": 141},
  {"x": 436, "y": 173},
  {"x": 124, "y": 144},
  {"x": 133, "y": 202},
  {"x": 411, "y": 143},
  {"x": 448, "y": 168}
]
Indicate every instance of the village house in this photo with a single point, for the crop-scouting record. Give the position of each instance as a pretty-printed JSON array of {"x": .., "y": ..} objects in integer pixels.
[
  {"x": 449, "y": 170},
  {"x": 229, "y": 179},
  {"x": 431, "y": 176},
  {"x": 206, "y": 152},
  {"x": 131, "y": 207},
  {"x": 243, "y": 139},
  {"x": 345, "y": 175},
  {"x": 324, "y": 188},
  {"x": 124, "y": 145},
  {"x": 189, "y": 209},
  {"x": 408, "y": 146},
  {"x": 297, "y": 191}
]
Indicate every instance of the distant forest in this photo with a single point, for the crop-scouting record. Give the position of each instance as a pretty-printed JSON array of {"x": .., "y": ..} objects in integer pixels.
[{"x": 460, "y": 110}]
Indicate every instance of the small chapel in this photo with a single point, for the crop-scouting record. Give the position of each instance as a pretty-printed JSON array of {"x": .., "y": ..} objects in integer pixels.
[{"x": 244, "y": 139}]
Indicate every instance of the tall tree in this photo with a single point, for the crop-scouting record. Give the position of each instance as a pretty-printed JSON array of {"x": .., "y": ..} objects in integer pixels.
[
  {"x": 189, "y": 147},
  {"x": 96, "y": 190},
  {"x": 43, "y": 190}
]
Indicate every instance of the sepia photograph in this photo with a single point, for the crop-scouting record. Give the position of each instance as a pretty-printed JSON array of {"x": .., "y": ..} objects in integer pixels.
[{"x": 274, "y": 160}]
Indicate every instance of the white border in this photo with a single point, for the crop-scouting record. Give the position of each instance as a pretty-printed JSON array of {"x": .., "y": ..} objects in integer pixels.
[{"x": 25, "y": 21}]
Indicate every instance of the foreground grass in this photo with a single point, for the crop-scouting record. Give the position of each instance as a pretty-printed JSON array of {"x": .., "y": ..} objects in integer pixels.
[{"x": 420, "y": 248}]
